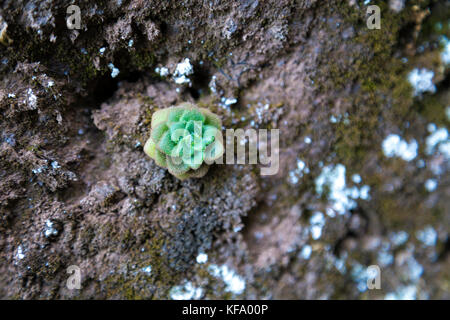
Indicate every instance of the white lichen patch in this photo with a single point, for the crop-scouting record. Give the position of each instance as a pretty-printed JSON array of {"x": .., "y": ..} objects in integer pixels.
[
  {"x": 317, "y": 222},
  {"x": 50, "y": 230},
  {"x": 296, "y": 174},
  {"x": 395, "y": 146},
  {"x": 31, "y": 99},
  {"x": 422, "y": 81},
  {"x": 114, "y": 71},
  {"x": 396, "y": 5},
  {"x": 234, "y": 282},
  {"x": 385, "y": 258},
  {"x": 360, "y": 275},
  {"x": 182, "y": 71},
  {"x": 342, "y": 198},
  {"x": 445, "y": 54},
  {"x": 186, "y": 292},
  {"x": 213, "y": 85},
  {"x": 55, "y": 165},
  {"x": 403, "y": 293},
  {"x": 339, "y": 118},
  {"x": 428, "y": 236},
  {"x": 228, "y": 101},
  {"x": 20, "y": 255},
  {"x": 398, "y": 238},
  {"x": 162, "y": 71},
  {"x": 438, "y": 138}
]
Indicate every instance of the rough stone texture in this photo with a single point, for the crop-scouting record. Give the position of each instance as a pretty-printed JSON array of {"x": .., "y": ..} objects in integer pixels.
[{"x": 77, "y": 189}]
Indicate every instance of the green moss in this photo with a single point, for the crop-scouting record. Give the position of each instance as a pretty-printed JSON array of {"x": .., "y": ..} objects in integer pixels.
[
  {"x": 380, "y": 78},
  {"x": 135, "y": 284},
  {"x": 142, "y": 59}
]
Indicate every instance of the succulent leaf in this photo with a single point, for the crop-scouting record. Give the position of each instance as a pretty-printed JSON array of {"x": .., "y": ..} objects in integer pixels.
[
  {"x": 158, "y": 132},
  {"x": 166, "y": 144},
  {"x": 175, "y": 114},
  {"x": 183, "y": 138}
]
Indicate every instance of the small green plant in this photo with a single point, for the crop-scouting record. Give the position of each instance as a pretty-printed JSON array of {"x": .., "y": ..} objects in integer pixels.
[{"x": 185, "y": 139}]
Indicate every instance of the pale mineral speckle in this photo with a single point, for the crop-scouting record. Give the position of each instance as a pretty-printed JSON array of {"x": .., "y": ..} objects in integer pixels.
[
  {"x": 202, "y": 258},
  {"x": 396, "y": 5},
  {"x": 339, "y": 264},
  {"x": 428, "y": 236},
  {"x": 32, "y": 99},
  {"x": 162, "y": 71},
  {"x": 445, "y": 54},
  {"x": 20, "y": 253},
  {"x": 399, "y": 238},
  {"x": 356, "y": 178},
  {"x": 431, "y": 127},
  {"x": 55, "y": 165},
  {"x": 333, "y": 119},
  {"x": 431, "y": 185},
  {"x": 317, "y": 222},
  {"x": 403, "y": 293},
  {"x": 360, "y": 275},
  {"x": 213, "y": 85},
  {"x": 114, "y": 71},
  {"x": 238, "y": 228},
  {"x": 228, "y": 101},
  {"x": 306, "y": 252},
  {"x": 414, "y": 269},
  {"x": 364, "y": 192},
  {"x": 385, "y": 258},
  {"x": 298, "y": 172},
  {"x": 147, "y": 269}
]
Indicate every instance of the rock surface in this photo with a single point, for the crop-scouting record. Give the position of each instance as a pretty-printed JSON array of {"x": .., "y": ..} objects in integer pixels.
[{"x": 76, "y": 188}]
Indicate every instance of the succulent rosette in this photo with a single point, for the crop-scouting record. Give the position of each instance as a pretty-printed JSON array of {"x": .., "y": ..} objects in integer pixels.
[{"x": 185, "y": 139}]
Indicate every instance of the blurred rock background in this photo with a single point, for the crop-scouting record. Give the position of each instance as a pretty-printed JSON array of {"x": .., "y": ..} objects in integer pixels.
[{"x": 364, "y": 150}]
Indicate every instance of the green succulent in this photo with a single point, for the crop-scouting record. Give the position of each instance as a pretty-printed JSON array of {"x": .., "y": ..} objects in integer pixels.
[{"x": 185, "y": 139}]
